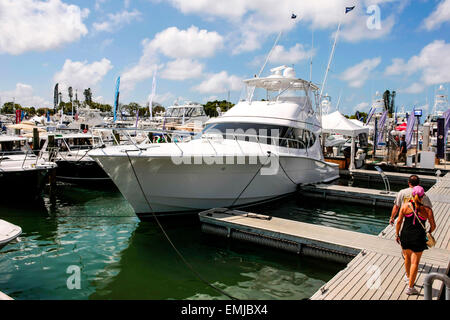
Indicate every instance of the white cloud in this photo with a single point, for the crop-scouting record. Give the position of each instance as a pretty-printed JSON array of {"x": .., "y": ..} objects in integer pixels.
[
  {"x": 190, "y": 43},
  {"x": 23, "y": 94},
  {"x": 230, "y": 9},
  {"x": 32, "y": 25},
  {"x": 362, "y": 107},
  {"x": 182, "y": 45},
  {"x": 294, "y": 55},
  {"x": 219, "y": 83},
  {"x": 182, "y": 69},
  {"x": 358, "y": 30},
  {"x": 439, "y": 16},
  {"x": 82, "y": 75},
  {"x": 433, "y": 62},
  {"x": 161, "y": 98},
  {"x": 254, "y": 20},
  {"x": 414, "y": 88},
  {"x": 117, "y": 21},
  {"x": 98, "y": 4},
  {"x": 357, "y": 75}
]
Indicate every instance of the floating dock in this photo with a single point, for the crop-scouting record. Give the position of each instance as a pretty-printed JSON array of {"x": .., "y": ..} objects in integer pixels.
[
  {"x": 375, "y": 266},
  {"x": 347, "y": 194},
  {"x": 393, "y": 177}
]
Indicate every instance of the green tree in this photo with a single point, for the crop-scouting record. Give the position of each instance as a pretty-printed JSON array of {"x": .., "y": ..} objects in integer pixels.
[
  {"x": 211, "y": 107},
  {"x": 101, "y": 107},
  {"x": 88, "y": 96},
  {"x": 10, "y": 107},
  {"x": 361, "y": 115},
  {"x": 131, "y": 108}
]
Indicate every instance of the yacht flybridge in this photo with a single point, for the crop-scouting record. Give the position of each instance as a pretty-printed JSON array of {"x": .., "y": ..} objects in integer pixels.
[{"x": 255, "y": 152}]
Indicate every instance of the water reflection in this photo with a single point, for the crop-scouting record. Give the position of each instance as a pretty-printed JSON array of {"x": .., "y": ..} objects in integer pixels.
[{"x": 121, "y": 257}]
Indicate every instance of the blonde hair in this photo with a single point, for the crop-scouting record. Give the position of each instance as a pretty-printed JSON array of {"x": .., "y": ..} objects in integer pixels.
[{"x": 417, "y": 200}]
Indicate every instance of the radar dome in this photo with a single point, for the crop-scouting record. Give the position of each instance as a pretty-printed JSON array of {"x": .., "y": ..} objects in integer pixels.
[{"x": 289, "y": 73}]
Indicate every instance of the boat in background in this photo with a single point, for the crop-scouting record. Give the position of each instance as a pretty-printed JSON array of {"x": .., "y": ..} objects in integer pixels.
[
  {"x": 22, "y": 172},
  {"x": 74, "y": 164}
]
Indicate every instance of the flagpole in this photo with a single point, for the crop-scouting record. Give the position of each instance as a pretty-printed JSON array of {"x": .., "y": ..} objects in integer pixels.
[
  {"x": 311, "y": 65},
  {"x": 330, "y": 59},
  {"x": 265, "y": 63}
]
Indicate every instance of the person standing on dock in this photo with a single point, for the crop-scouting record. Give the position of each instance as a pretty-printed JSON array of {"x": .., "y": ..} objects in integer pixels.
[
  {"x": 403, "y": 149},
  {"x": 405, "y": 196},
  {"x": 413, "y": 237}
]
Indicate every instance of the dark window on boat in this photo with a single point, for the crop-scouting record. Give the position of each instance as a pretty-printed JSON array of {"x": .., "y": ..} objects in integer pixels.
[{"x": 288, "y": 137}]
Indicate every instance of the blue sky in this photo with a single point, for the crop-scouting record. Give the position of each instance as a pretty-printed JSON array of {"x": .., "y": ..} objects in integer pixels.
[{"x": 202, "y": 49}]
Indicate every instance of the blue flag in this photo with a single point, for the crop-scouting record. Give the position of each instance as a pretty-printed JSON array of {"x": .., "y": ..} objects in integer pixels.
[
  {"x": 116, "y": 98},
  {"x": 348, "y": 9},
  {"x": 48, "y": 116}
]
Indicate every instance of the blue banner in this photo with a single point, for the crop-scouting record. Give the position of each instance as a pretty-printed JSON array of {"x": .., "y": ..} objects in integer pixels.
[
  {"x": 410, "y": 130},
  {"x": 447, "y": 124},
  {"x": 370, "y": 115},
  {"x": 116, "y": 98}
]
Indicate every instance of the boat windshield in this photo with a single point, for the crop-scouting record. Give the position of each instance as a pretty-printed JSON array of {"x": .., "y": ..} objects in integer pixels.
[
  {"x": 263, "y": 133},
  {"x": 189, "y": 112},
  {"x": 12, "y": 147}
]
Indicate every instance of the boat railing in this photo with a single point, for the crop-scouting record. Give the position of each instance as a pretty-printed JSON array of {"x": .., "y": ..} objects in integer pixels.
[
  {"x": 167, "y": 135},
  {"x": 29, "y": 155},
  {"x": 288, "y": 143}
]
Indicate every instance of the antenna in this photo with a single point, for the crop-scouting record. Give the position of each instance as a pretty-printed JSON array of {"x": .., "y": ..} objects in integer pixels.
[
  {"x": 331, "y": 58},
  {"x": 265, "y": 62},
  {"x": 311, "y": 65},
  {"x": 339, "y": 101}
]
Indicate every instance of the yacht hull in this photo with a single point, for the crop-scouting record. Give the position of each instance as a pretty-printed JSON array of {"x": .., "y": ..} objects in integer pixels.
[
  {"x": 172, "y": 188},
  {"x": 85, "y": 172},
  {"x": 25, "y": 185}
]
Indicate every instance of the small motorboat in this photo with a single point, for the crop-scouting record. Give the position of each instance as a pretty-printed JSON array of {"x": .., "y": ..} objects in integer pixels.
[{"x": 8, "y": 232}]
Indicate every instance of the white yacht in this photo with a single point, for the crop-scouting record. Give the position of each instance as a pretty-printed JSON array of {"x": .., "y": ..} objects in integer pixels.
[
  {"x": 22, "y": 173},
  {"x": 255, "y": 152},
  {"x": 74, "y": 163},
  {"x": 189, "y": 116}
]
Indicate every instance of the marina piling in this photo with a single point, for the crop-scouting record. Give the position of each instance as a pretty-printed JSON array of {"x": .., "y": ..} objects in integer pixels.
[{"x": 36, "y": 141}]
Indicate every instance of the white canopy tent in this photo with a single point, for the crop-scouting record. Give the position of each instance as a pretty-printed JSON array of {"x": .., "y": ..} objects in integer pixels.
[{"x": 337, "y": 123}]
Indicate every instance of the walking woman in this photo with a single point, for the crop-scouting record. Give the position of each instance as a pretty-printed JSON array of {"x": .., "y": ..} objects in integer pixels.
[{"x": 413, "y": 216}]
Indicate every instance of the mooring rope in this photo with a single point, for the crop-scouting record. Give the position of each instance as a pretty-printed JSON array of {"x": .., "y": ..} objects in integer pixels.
[
  {"x": 248, "y": 184},
  {"x": 170, "y": 241}
]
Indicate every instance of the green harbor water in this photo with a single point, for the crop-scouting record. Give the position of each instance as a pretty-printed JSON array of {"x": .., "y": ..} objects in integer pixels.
[{"x": 121, "y": 257}]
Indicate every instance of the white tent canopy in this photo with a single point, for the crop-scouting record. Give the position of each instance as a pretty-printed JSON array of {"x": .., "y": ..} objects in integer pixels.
[{"x": 336, "y": 123}]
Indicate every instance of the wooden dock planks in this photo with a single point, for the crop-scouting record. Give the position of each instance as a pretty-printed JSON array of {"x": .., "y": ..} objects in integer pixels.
[
  {"x": 377, "y": 271},
  {"x": 392, "y": 286}
]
